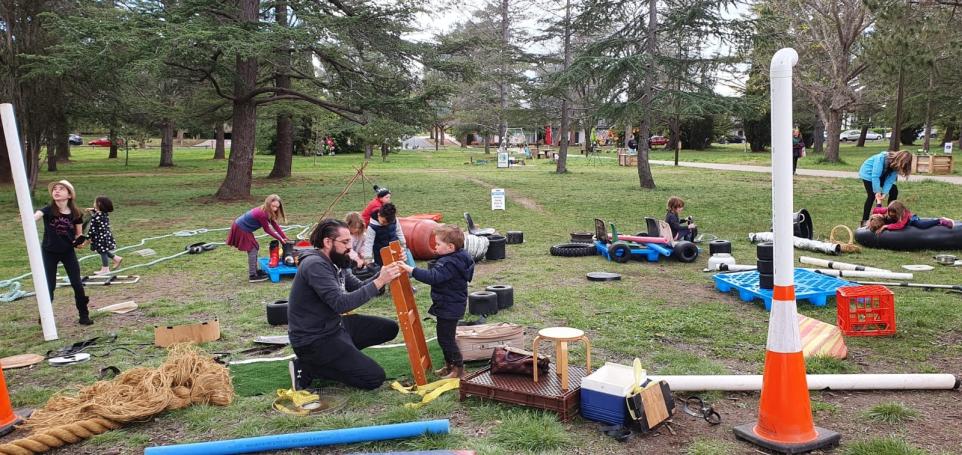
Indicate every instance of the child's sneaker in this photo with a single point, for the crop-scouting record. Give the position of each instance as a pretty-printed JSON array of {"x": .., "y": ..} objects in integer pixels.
[
  {"x": 947, "y": 222},
  {"x": 256, "y": 278}
]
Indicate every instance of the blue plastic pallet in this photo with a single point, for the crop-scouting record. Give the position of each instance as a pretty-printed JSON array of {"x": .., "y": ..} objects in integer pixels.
[
  {"x": 276, "y": 272},
  {"x": 811, "y": 286}
]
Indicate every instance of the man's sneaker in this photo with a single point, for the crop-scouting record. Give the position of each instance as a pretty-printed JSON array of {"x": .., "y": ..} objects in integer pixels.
[
  {"x": 256, "y": 278},
  {"x": 294, "y": 368}
]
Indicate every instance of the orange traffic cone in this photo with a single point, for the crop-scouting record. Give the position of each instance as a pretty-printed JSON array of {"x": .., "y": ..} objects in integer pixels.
[
  {"x": 785, "y": 415},
  {"x": 7, "y": 417}
]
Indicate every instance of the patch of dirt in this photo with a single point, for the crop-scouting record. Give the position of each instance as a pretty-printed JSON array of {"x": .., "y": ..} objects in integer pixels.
[{"x": 514, "y": 195}]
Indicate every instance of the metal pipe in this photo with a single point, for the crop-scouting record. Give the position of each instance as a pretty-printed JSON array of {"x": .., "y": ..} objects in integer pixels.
[
  {"x": 747, "y": 383},
  {"x": 866, "y": 274},
  {"x": 951, "y": 287},
  {"x": 17, "y": 168},
  {"x": 800, "y": 243},
  {"x": 837, "y": 265}
]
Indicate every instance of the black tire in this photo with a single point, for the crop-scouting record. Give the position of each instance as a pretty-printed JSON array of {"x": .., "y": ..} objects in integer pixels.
[
  {"x": 685, "y": 251},
  {"x": 482, "y": 303},
  {"x": 571, "y": 250},
  {"x": 505, "y": 295},
  {"x": 582, "y": 237},
  {"x": 619, "y": 253},
  {"x": 719, "y": 246},
  {"x": 765, "y": 251},
  {"x": 765, "y": 267},
  {"x": 644, "y": 234},
  {"x": 766, "y": 281},
  {"x": 277, "y": 312}
]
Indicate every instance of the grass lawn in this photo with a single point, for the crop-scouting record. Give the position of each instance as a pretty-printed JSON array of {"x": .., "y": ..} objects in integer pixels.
[{"x": 666, "y": 313}]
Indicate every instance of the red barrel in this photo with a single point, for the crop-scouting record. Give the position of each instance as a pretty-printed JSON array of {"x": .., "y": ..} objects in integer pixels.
[{"x": 419, "y": 234}]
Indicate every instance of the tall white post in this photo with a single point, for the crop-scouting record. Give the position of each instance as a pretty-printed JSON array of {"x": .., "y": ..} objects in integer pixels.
[{"x": 19, "y": 172}]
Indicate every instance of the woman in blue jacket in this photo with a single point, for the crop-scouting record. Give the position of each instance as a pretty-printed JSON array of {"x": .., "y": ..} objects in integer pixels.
[{"x": 879, "y": 173}]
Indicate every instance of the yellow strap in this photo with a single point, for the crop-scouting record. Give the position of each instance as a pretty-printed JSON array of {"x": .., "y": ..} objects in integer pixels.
[
  {"x": 298, "y": 398},
  {"x": 428, "y": 392}
]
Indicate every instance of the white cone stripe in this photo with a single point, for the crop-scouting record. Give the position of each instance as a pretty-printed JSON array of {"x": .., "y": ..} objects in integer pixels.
[{"x": 783, "y": 334}]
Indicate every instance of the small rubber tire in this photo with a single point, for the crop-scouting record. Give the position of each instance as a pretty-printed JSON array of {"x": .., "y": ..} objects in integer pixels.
[
  {"x": 719, "y": 246},
  {"x": 765, "y": 251},
  {"x": 685, "y": 251},
  {"x": 505, "y": 295},
  {"x": 603, "y": 276},
  {"x": 766, "y": 281},
  {"x": 765, "y": 267},
  {"x": 277, "y": 312},
  {"x": 482, "y": 303},
  {"x": 571, "y": 250},
  {"x": 619, "y": 253}
]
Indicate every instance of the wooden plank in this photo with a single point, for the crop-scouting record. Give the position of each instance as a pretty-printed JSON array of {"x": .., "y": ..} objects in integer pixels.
[{"x": 407, "y": 315}]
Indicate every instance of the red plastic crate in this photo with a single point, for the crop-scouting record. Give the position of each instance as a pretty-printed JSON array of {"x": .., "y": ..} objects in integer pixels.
[{"x": 866, "y": 310}]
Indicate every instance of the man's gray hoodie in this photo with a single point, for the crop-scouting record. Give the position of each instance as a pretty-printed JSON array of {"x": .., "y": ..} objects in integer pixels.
[{"x": 321, "y": 292}]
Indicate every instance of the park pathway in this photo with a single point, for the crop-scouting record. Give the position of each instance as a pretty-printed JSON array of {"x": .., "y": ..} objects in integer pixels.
[{"x": 953, "y": 179}]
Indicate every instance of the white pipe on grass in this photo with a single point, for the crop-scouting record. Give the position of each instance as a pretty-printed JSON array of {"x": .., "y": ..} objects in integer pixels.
[
  {"x": 748, "y": 383},
  {"x": 17, "y": 168},
  {"x": 800, "y": 243},
  {"x": 838, "y": 265},
  {"x": 866, "y": 274}
]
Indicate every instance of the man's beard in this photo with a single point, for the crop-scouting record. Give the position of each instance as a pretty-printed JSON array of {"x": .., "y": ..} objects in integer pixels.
[{"x": 341, "y": 260}]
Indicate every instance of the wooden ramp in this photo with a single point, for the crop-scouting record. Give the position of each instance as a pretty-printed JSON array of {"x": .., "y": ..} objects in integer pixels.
[{"x": 407, "y": 315}]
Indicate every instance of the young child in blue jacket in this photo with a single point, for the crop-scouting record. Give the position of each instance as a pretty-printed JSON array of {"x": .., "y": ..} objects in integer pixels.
[{"x": 449, "y": 292}]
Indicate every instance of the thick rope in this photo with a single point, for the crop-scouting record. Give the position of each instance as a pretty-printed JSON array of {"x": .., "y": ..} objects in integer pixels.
[{"x": 187, "y": 377}]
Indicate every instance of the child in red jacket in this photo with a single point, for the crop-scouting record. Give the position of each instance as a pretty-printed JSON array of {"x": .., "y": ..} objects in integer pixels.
[{"x": 897, "y": 216}]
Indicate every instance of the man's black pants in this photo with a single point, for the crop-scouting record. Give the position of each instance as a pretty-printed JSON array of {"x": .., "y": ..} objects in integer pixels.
[{"x": 339, "y": 358}]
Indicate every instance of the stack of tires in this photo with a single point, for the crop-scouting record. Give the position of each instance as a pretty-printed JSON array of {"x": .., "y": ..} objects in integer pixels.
[{"x": 766, "y": 265}]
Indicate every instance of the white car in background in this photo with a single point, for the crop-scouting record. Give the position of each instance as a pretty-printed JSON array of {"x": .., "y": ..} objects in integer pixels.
[{"x": 852, "y": 135}]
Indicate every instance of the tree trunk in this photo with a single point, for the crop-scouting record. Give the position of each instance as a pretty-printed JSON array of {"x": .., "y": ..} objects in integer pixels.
[
  {"x": 487, "y": 147},
  {"x": 861, "y": 137},
  {"x": 112, "y": 137},
  {"x": 368, "y": 151},
  {"x": 61, "y": 137},
  {"x": 384, "y": 151},
  {"x": 833, "y": 131},
  {"x": 441, "y": 133},
  {"x": 645, "y": 179},
  {"x": 435, "y": 136},
  {"x": 51, "y": 152},
  {"x": 561, "y": 166},
  {"x": 167, "y": 143},
  {"x": 240, "y": 166},
  {"x": 284, "y": 153},
  {"x": 949, "y": 134},
  {"x": 464, "y": 144},
  {"x": 502, "y": 75},
  {"x": 897, "y": 126},
  {"x": 818, "y": 143},
  {"x": 6, "y": 176},
  {"x": 928, "y": 113},
  {"x": 219, "y": 141}
]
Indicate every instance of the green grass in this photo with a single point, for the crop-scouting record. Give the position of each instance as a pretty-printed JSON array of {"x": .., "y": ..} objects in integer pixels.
[
  {"x": 667, "y": 313},
  {"x": 890, "y": 445},
  {"x": 891, "y": 413},
  {"x": 710, "y": 447}
]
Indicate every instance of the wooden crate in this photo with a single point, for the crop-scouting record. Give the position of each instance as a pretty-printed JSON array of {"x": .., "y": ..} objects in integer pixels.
[
  {"x": 627, "y": 160},
  {"x": 545, "y": 394},
  {"x": 932, "y": 164}
]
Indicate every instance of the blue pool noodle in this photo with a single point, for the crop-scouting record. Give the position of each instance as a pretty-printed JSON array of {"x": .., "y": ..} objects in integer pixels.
[{"x": 308, "y": 439}]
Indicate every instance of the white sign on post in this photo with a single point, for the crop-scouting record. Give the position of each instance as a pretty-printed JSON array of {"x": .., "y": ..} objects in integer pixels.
[
  {"x": 497, "y": 199},
  {"x": 503, "y": 159},
  {"x": 948, "y": 148}
]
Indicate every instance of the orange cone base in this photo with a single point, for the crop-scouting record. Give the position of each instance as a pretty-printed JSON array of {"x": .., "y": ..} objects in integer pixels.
[
  {"x": 7, "y": 427},
  {"x": 823, "y": 439}
]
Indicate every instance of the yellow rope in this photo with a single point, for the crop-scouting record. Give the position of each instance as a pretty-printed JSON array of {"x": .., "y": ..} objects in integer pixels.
[
  {"x": 188, "y": 376},
  {"x": 428, "y": 392}
]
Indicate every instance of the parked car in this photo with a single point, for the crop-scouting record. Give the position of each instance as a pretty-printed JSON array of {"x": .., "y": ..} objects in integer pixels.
[
  {"x": 852, "y": 135},
  {"x": 103, "y": 142},
  {"x": 75, "y": 139},
  {"x": 731, "y": 139},
  {"x": 657, "y": 140}
]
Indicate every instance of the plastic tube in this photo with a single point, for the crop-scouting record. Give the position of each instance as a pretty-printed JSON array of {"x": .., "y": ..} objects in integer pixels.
[
  {"x": 47, "y": 321},
  {"x": 837, "y": 265},
  {"x": 308, "y": 439},
  {"x": 866, "y": 274},
  {"x": 800, "y": 243},
  {"x": 747, "y": 383}
]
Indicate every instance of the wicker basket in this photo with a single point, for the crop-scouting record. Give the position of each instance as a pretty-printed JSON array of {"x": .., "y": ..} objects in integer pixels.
[{"x": 849, "y": 246}]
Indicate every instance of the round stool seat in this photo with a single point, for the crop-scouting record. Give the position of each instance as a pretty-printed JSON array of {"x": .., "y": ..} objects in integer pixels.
[{"x": 561, "y": 333}]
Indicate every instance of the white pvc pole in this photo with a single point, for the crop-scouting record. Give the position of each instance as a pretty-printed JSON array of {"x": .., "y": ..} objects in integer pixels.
[
  {"x": 19, "y": 172},
  {"x": 838, "y": 265},
  {"x": 866, "y": 274},
  {"x": 748, "y": 383}
]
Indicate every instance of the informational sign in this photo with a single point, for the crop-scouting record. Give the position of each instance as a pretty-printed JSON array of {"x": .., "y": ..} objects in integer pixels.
[
  {"x": 948, "y": 148},
  {"x": 497, "y": 199},
  {"x": 503, "y": 159}
]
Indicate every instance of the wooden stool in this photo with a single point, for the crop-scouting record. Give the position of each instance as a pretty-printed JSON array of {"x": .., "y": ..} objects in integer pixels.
[{"x": 561, "y": 336}]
